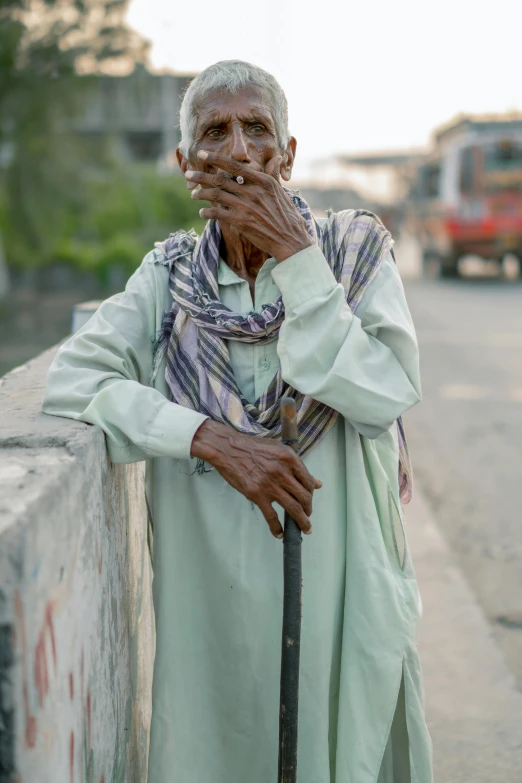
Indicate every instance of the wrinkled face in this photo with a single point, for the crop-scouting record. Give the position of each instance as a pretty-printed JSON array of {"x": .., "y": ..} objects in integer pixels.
[{"x": 239, "y": 126}]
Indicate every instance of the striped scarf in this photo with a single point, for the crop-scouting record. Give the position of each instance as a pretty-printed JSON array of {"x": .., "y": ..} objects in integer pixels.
[{"x": 195, "y": 330}]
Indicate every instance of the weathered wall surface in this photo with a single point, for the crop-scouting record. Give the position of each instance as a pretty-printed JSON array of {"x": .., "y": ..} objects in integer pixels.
[{"x": 76, "y": 621}]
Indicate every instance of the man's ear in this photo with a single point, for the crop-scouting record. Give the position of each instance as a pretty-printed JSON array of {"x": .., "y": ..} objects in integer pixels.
[
  {"x": 182, "y": 161},
  {"x": 287, "y": 163}
]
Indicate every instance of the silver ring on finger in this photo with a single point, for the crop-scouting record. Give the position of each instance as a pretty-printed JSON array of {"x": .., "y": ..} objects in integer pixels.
[{"x": 240, "y": 180}]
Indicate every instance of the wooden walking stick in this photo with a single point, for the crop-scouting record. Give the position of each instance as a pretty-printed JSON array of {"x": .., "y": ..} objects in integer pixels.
[{"x": 291, "y": 640}]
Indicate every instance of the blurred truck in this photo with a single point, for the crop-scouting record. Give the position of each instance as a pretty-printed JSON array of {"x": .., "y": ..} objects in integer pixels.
[
  {"x": 461, "y": 197},
  {"x": 466, "y": 194}
]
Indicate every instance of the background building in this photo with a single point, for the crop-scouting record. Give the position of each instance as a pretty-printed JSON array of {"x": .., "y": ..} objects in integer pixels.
[{"x": 140, "y": 112}]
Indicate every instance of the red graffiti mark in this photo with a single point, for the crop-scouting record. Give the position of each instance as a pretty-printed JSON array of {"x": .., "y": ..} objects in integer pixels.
[
  {"x": 71, "y": 755},
  {"x": 89, "y": 719},
  {"x": 41, "y": 670},
  {"x": 50, "y": 626},
  {"x": 108, "y": 512},
  {"x": 41, "y": 674},
  {"x": 99, "y": 556},
  {"x": 71, "y": 685},
  {"x": 30, "y": 720}
]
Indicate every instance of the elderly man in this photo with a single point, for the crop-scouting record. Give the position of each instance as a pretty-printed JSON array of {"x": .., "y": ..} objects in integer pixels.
[{"x": 185, "y": 369}]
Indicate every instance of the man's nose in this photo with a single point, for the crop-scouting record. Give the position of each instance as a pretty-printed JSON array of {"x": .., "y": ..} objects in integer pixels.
[{"x": 239, "y": 150}]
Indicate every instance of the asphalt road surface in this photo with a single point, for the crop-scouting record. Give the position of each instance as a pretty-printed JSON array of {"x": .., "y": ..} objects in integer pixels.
[{"x": 466, "y": 437}]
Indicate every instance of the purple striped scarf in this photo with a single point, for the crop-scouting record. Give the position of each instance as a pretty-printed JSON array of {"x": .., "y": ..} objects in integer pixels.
[{"x": 195, "y": 330}]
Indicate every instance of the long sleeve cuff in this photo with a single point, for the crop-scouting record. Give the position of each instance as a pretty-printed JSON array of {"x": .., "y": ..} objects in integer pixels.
[
  {"x": 172, "y": 431},
  {"x": 303, "y": 276}
]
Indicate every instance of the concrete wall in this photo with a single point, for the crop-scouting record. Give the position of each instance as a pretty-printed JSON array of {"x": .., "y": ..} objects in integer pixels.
[{"x": 76, "y": 621}]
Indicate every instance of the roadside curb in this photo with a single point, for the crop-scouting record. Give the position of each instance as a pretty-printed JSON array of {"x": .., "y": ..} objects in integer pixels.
[{"x": 474, "y": 709}]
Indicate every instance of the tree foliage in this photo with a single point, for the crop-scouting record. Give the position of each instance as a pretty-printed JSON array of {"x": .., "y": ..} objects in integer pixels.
[
  {"x": 46, "y": 49},
  {"x": 56, "y": 38}
]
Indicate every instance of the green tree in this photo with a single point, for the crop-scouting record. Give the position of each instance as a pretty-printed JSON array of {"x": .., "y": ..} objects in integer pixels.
[{"x": 47, "y": 48}]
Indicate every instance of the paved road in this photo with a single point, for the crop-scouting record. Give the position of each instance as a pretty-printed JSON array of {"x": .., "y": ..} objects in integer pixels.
[{"x": 466, "y": 437}]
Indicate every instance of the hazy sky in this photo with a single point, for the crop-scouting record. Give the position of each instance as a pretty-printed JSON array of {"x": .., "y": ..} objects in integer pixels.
[{"x": 379, "y": 74}]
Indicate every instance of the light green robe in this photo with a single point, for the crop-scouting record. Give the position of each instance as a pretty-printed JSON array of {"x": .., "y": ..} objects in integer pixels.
[{"x": 217, "y": 569}]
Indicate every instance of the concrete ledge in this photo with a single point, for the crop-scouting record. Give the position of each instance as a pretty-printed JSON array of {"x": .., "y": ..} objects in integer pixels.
[
  {"x": 473, "y": 707},
  {"x": 76, "y": 620}
]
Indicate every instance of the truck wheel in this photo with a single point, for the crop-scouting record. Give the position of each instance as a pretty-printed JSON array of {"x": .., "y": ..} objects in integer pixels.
[
  {"x": 449, "y": 267},
  {"x": 430, "y": 264}
]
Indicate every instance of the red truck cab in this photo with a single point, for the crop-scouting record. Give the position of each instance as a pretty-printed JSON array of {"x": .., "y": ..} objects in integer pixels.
[{"x": 468, "y": 194}]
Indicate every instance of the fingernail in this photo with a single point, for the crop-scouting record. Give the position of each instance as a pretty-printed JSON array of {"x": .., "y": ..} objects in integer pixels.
[
  {"x": 281, "y": 535},
  {"x": 201, "y": 212},
  {"x": 308, "y": 532},
  {"x": 189, "y": 174},
  {"x": 203, "y": 155},
  {"x": 191, "y": 185}
]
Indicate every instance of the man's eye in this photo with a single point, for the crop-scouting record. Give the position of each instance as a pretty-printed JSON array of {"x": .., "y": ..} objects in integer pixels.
[
  {"x": 257, "y": 129},
  {"x": 215, "y": 133}
]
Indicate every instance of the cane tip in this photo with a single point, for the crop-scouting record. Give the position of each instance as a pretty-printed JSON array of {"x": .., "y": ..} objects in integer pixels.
[
  {"x": 288, "y": 407},
  {"x": 289, "y": 422}
]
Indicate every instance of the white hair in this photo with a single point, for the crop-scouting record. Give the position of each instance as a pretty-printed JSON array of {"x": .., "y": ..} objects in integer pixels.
[{"x": 231, "y": 76}]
